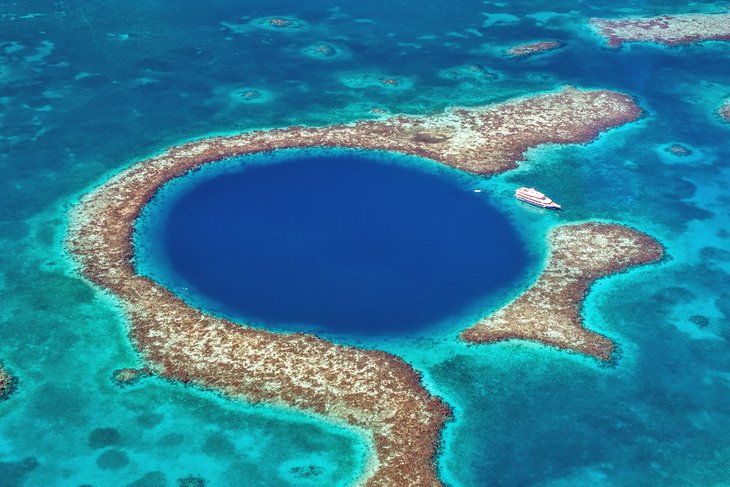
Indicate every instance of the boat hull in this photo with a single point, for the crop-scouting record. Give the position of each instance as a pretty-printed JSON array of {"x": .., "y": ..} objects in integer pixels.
[
  {"x": 548, "y": 206},
  {"x": 540, "y": 203}
]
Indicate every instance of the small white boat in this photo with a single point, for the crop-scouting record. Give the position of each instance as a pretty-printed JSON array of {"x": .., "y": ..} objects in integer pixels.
[{"x": 536, "y": 198}]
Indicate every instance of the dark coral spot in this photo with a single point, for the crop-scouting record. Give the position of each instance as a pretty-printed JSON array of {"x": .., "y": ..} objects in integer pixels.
[
  {"x": 14, "y": 473},
  {"x": 150, "y": 479},
  {"x": 173, "y": 439},
  {"x": 218, "y": 444},
  {"x": 678, "y": 150},
  {"x": 102, "y": 437},
  {"x": 700, "y": 321},
  {"x": 715, "y": 253},
  {"x": 112, "y": 460},
  {"x": 673, "y": 295},
  {"x": 192, "y": 482},
  {"x": 306, "y": 472},
  {"x": 150, "y": 420}
]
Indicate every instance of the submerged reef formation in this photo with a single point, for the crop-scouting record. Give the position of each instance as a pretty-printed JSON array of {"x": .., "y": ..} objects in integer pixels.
[
  {"x": 472, "y": 71},
  {"x": 7, "y": 383},
  {"x": 127, "y": 376},
  {"x": 250, "y": 95},
  {"x": 670, "y": 30},
  {"x": 725, "y": 110},
  {"x": 281, "y": 23},
  {"x": 325, "y": 51},
  {"x": 700, "y": 321},
  {"x": 372, "y": 390},
  {"x": 549, "y": 311},
  {"x": 368, "y": 80},
  {"x": 678, "y": 150},
  {"x": 532, "y": 48}
]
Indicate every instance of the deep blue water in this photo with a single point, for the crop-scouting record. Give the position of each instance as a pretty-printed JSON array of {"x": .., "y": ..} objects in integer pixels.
[
  {"x": 340, "y": 242},
  {"x": 88, "y": 86}
]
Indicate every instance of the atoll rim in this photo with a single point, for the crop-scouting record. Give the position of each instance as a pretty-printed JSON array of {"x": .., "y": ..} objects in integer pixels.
[
  {"x": 205, "y": 282},
  {"x": 373, "y": 390}
]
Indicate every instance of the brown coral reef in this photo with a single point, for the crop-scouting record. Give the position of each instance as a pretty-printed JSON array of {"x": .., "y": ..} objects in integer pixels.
[
  {"x": 129, "y": 376},
  {"x": 373, "y": 390},
  {"x": 533, "y": 48},
  {"x": 725, "y": 110},
  {"x": 7, "y": 383},
  {"x": 549, "y": 311},
  {"x": 670, "y": 30},
  {"x": 678, "y": 150}
]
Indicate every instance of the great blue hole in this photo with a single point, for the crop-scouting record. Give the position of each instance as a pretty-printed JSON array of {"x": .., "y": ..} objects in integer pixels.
[{"x": 339, "y": 242}]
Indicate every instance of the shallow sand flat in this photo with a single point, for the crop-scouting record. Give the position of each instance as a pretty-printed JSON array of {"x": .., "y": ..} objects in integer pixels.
[
  {"x": 372, "y": 390},
  {"x": 669, "y": 30}
]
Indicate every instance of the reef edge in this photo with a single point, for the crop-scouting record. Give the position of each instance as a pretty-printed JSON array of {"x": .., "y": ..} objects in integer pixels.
[
  {"x": 368, "y": 389},
  {"x": 549, "y": 311}
]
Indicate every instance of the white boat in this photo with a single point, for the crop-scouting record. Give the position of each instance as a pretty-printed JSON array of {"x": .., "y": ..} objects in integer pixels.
[{"x": 534, "y": 197}]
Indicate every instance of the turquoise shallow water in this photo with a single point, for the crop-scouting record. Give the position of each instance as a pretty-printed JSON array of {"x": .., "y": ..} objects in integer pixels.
[{"x": 87, "y": 87}]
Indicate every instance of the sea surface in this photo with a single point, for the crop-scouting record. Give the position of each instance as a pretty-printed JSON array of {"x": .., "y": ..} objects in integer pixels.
[{"x": 88, "y": 87}]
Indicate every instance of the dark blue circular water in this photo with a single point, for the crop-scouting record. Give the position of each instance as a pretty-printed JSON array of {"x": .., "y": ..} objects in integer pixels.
[{"x": 340, "y": 242}]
